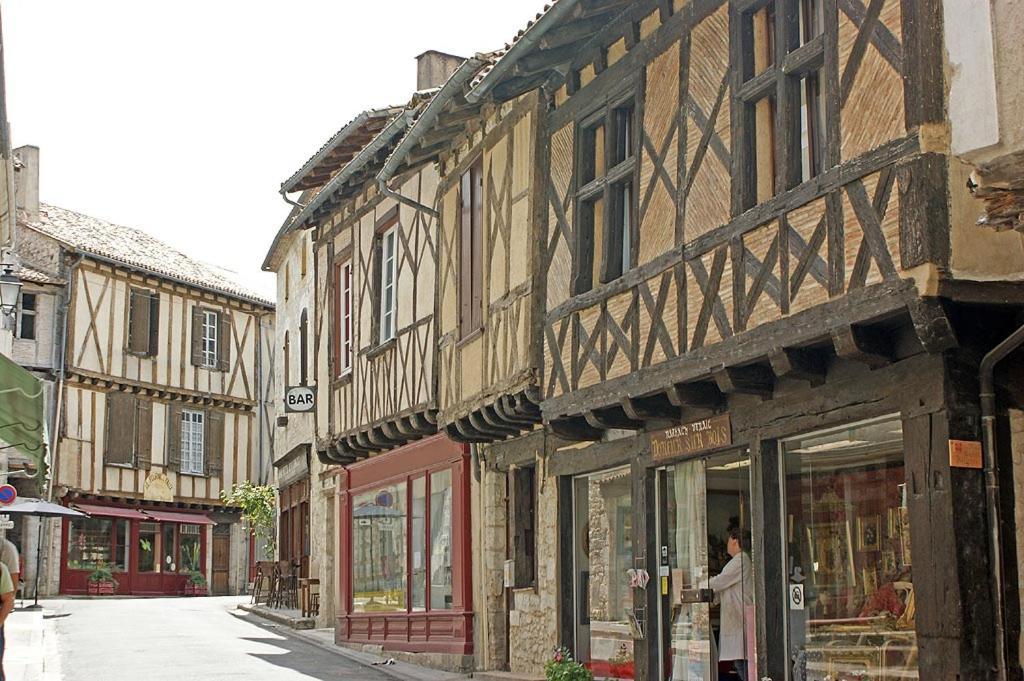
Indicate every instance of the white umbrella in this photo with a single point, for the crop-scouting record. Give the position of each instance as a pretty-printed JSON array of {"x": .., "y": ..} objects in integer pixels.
[{"x": 31, "y": 506}]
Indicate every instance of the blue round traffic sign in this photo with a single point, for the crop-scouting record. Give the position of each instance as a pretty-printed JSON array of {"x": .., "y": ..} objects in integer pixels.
[{"x": 7, "y": 495}]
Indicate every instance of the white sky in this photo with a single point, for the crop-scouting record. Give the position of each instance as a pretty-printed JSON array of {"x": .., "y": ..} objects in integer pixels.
[{"x": 183, "y": 118}]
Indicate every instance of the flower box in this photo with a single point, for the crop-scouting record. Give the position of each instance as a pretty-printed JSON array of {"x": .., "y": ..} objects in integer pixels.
[{"x": 100, "y": 588}]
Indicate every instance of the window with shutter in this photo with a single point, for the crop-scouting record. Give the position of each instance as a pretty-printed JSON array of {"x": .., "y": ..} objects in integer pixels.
[
  {"x": 193, "y": 442},
  {"x": 174, "y": 438},
  {"x": 523, "y": 508},
  {"x": 224, "y": 342},
  {"x": 198, "y": 317},
  {"x": 471, "y": 250},
  {"x": 119, "y": 441},
  {"x": 214, "y": 443},
  {"x": 143, "y": 434},
  {"x": 342, "y": 340},
  {"x": 139, "y": 312},
  {"x": 154, "y": 323}
]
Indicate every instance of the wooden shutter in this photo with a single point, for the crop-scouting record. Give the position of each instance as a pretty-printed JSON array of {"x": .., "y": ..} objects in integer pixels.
[
  {"x": 223, "y": 341},
  {"x": 213, "y": 443},
  {"x": 143, "y": 434},
  {"x": 118, "y": 445},
  {"x": 197, "y": 336},
  {"x": 154, "y": 323},
  {"x": 476, "y": 256},
  {"x": 522, "y": 514},
  {"x": 138, "y": 325},
  {"x": 466, "y": 256},
  {"x": 174, "y": 438}
]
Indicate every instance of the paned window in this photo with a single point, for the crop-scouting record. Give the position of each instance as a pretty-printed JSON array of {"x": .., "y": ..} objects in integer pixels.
[
  {"x": 27, "y": 316},
  {"x": 192, "y": 445},
  {"x": 143, "y": 322},
  {"x": 342, "y": 318},
  {"x": 781, "y": 96},
  {"x": 189, "y": 552},
  {"x": 606, "y": 158},
  {"x": 210, "y": 339},
  {"x": 402, "y": 545},
  {"x": 471, "y": 250},
  {"x": 848, "y": 551},
  {"x": 92, "y": 541},
  {"x": 386, "y": 287}
]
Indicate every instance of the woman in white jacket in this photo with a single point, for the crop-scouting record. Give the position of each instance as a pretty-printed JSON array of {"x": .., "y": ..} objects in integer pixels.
[{"x": 734, "y": 590}]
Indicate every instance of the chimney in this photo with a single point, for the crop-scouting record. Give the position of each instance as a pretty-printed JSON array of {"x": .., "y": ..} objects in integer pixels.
[
  {"x": 433, "y": 69},
  {"x": 26, "y": 179}
]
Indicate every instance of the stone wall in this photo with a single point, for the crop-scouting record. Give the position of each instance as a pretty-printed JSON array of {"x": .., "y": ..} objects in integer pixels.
[
  {"x": 490, "y": 529},
  {"x": 322, "y": 531}
]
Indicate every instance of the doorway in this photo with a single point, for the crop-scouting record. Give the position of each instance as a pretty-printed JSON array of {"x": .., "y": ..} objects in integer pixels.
[
  {"x": 221, "y": 560},
  {"x": 706, "y": 630}
]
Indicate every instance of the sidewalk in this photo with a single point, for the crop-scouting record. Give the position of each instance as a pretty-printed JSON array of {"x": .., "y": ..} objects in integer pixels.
[
  {"x": 324, "y": 639},
  {"x": 24, "y": 646}
]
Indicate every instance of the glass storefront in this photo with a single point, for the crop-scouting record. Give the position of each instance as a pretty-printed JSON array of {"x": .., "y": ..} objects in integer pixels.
[
  {"x": 850, "y": 590},
  {"x": 705, "y": 570},
  {"x": 603, "y": 538},
  {"x": 95, "y": 541},
  {"x": 402, "y": 545}
]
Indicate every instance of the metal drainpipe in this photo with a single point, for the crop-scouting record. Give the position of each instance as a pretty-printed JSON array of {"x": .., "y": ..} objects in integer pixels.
[
  {"x": 389, "y": 192},
  {"x": 988, "y": 435},
  {"x": 294, "y": 203}
]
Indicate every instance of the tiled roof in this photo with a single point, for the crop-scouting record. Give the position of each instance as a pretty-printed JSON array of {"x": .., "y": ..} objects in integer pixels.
[
  {"x": 333, "y": 154},
  {"x": 134, "y": 248},
  {"x": 29, "y": 273}
]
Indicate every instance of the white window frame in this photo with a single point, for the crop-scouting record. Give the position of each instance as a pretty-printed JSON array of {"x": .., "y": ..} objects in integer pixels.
[
  {"x": 388, "y": 283},
  {"x": 193, "y": 445},
  {"x": 346, "y": 318},
  {"x": 211, "y": 325}
]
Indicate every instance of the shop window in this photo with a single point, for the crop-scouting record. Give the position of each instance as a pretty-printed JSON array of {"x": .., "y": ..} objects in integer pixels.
[
  {"x": 782, "y": 60},
  {"x": 603, "y": 550},
  {"x": 418, "y": 529},
  {"x": 189, "y": 553},
  {"x": 27, "y": 316},
  {"x": 851, "y": 593},
  {"x": 169, "y": 541},
  {"x": 97, "y": 541},
  {"x": 379, "y": 558},
  {"x": 523, "y": 524},
  {"x": 402, "y": 535},
  {"x": 149, "y": 547},
  {"x": 606, "y": 164},
  {"x": 441, "y": 540}
]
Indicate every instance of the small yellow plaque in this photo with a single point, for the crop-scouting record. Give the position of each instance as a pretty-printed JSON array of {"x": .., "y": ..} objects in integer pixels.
[{"x": 964, "y": 454}]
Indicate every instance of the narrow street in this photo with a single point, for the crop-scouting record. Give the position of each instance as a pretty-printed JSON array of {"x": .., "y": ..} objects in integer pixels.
[{"x": 206, "y": 638}]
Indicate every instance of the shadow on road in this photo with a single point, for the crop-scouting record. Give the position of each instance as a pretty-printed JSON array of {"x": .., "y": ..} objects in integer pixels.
[{"x": 307, "y": 659}]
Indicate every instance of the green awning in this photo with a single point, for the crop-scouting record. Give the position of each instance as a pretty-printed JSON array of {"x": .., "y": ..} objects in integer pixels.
[{"x": 22, "y": 421}]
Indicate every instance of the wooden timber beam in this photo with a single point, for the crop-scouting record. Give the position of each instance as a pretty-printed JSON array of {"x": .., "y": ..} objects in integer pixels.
[
  {"x": 932, "y": 325},
  {"x": 453, "y": 433},
  {"x": 866, "y": 345},
  {"x": 699, "y": 395},
  {"x": 580, "y": 29},
  {"x": 610, "y": 418},
  {"x": 753, "y": 379},
  {"x": 391, "y": 431},
  {"x": 799, "y": 364},
  {"x": 506, "y": 410},
  {"x": 515, "y": 86},
  {"x": 364, "y": 442},
  {"x": 575, "y": 429},
  {"x": 655, "y": 407},
  {"x": 549, "y": 59},
  {"x": 469, "y": 433},
  {"x": 481, "y": 426},
  {"x": 493, "y": 419}
]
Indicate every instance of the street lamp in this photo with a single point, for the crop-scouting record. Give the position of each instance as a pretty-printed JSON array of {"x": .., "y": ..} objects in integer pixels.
[{"x": 10, "y": 288}]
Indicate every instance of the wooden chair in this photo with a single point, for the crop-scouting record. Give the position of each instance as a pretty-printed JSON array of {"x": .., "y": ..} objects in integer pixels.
[{"x": 309, "y": 596}]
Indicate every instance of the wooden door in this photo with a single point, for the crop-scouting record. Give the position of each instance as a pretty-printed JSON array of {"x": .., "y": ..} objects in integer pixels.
[{"x": 221, "y": 563}]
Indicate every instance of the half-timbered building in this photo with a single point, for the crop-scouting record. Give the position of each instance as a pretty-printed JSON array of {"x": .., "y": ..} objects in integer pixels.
[
  {"x": 160, "y": 394},
  {"x": 400, "y": 487},
  {"x": 766, "y": 304}
]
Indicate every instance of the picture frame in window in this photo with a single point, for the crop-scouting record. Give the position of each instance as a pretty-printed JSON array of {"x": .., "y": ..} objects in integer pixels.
[{"x": 869, "y": 531}]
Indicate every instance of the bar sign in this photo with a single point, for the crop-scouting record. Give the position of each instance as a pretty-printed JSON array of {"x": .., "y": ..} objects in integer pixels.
[{"x": 964, "y": 454}]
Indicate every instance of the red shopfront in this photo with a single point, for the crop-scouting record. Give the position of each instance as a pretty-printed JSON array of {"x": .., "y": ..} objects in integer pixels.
[
  {"x": 405, "y": 577},
  {"x": 151, "y": 552}
]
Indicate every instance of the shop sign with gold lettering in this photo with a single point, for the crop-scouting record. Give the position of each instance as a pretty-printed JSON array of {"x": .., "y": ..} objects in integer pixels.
[{"x": 692, "y": 438}]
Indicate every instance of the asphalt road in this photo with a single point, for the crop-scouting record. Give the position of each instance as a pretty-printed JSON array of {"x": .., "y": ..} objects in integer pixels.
[{"x": 182, "y": 639}]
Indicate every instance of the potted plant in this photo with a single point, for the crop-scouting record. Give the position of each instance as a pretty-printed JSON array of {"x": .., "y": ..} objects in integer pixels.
[
  {"x": 196, "y": 585},
  {"x": 101, "y": 580},
  {"x": 561, "y": 667},
  {"x": 621, "y": 665}
]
